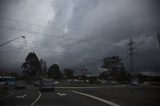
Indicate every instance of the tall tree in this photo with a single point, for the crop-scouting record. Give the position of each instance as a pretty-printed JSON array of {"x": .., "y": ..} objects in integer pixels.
[
  {"x": 111, "y": 63},
  {"x": 115, "y": 67},
  {"x": 54, "y": 72},
  {"x": 68, "y": 73},
  {"x": 103, "y": 75},
  {"x": 32, "y": 65},
  {"x": 43, "y": 67},
  {"x": 14, "y": 74}
]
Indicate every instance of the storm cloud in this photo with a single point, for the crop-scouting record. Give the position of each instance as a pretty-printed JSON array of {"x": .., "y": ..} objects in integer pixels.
[{"x": 80, "y": 33}]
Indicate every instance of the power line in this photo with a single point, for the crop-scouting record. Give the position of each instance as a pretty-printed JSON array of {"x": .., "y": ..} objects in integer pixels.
[
  {"x": 38, "y": 33},
  {"x": 17, "y": 21},
  {"x": 30, "y": 24},
  {"x": 34, "y": 32}
]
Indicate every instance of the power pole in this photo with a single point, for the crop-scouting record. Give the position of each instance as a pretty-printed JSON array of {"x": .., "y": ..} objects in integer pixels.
[{"x": 131, "y": 50}]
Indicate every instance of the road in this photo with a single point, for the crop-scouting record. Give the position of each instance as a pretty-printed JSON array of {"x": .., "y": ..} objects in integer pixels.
[
  {"x": 128, "y": 95},
  {"x": 60, "y": 97},
  {"x": 123, "y": 96}
]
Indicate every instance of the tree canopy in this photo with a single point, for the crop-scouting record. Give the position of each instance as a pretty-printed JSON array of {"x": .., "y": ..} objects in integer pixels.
[
  {"x": 54, "y": 72},
  {"x": 43, "y": 67},
  {"x": 115, "y": 67},
  {"x": 68, "y": 73},
  {"x": 32, "y": 65}
]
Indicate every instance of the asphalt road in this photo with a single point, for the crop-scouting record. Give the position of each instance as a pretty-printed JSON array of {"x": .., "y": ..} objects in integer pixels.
[
  {"x": 128, "y": 95},
  {"x": 124, "y": 96},
  {"x": 60, "y": 97}
]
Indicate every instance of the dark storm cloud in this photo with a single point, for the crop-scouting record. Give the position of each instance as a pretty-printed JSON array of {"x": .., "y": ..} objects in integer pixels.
[{"x": 78, "y": 34}]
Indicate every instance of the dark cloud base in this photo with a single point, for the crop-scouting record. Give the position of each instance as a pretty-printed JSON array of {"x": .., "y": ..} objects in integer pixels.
[{"x": 82, "y": 33}]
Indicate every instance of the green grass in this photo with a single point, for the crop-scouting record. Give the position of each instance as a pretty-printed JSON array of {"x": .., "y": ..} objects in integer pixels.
[{"x": 3, "y": 91}]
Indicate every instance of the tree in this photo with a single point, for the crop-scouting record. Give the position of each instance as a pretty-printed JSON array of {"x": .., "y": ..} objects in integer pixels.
[
  {"x": 103, "y": 75},
  {"x": 14, "y": 74},
  {"x": 54, "y": 72},
  {"x": 43, "y": 67},
  {"x": 111, "y": 63},
  {"x": 31, "y": 66},
  {"x": 116, "y": 69},
  {"x": 68, "y": 73}
]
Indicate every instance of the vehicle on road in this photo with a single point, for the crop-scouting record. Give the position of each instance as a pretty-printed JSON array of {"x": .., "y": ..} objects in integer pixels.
[
  {"x": 47, "y": 84},
  {"x": 134, "y": 83},
  {"x": 20, "y": 85}
]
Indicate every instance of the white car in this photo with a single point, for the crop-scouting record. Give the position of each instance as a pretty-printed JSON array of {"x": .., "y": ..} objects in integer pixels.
[
  {"x": 47, "y": 84},
  {"x": 134, "y": 83}
]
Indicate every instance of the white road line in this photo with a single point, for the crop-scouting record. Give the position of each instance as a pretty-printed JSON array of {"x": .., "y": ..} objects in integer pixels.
[
  {"x": 61, "y": 94},
  {"x": 23, "y": 96},
  {"x": 96, "y": 86},
  {"x": 80, "y": 87},
  {"x": 36, "y": 99},
  {"x": 97, "y": 98}
]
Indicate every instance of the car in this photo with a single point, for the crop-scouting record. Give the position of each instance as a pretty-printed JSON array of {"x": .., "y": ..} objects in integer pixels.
[
  {"x": 47, "y": 84},
  {"x": 20, "y": 85},
  {"x": 56, "y": 82},
  {"x": 134, "y": 83}
]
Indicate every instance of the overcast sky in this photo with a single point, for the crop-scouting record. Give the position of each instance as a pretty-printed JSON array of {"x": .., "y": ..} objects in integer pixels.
[{"x": 79, "y": 33}]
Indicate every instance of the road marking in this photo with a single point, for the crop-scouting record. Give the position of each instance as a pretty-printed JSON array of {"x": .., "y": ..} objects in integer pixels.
[
  {"x": 114, "y": 86},
  {"x": 21, "y": 97},
  {"x": 97, "y": 98},
  {"x": 81, "y": 87},
  {"x": 61, "y": 94},
  {"x": 36, "y": 99}
]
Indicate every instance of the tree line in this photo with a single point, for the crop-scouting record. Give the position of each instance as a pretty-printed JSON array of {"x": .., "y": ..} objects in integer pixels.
[{"x": 35, "y": 67}]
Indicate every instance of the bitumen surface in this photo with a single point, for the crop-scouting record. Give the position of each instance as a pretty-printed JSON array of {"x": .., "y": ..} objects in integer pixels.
[
  {"x": 123, "y": 96},
  {"x": 60, "y": 97}
]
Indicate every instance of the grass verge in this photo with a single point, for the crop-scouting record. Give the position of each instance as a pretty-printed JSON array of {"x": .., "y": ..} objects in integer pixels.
[{"x": 3, "y": 91}]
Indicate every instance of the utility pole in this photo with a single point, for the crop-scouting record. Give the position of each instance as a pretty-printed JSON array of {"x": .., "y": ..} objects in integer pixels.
[{"x": 131, "y": 50}]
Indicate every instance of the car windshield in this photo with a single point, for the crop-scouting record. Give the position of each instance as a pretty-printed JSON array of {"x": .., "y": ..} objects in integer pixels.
[{"x": 79, "y": 52}]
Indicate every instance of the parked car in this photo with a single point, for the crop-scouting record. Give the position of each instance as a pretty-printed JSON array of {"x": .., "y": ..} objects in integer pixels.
[
  {"x": 20, "y": 85},
  {"x": 47, "y": 84}
]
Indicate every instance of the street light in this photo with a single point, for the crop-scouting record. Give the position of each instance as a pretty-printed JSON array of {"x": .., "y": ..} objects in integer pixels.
[{"x": 11, "y": 40}]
